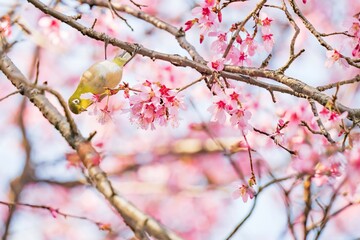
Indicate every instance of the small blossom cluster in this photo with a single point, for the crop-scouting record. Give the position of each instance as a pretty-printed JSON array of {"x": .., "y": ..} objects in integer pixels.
[
  {"x": 154, "y": 103},
  {"x": 226, "y": 104},
  {"x": 333, "y": 119},
  {"x": 209, "y": 17},
  {"x": 278, "y": 135},
  {"x": 319, "y": 161},
  {"x": 241, "y": 51},
  {"x": 101, "y": 110},
  {"x": 151, "y": 103}
]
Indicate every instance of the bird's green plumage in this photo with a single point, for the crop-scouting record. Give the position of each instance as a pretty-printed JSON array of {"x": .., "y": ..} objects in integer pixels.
[{"x": 96, "y": 79}]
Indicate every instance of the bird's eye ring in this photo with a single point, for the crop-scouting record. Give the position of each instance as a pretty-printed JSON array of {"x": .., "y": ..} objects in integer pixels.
[{"x": 76, "y": 101}]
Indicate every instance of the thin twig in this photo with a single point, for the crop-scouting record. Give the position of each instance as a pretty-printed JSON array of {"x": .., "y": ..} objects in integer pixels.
[
  {"x": 37, "y": 71},
  {"x": 336, "y": 33},
  {"x": 307, "y": 202},
  {"x": 190, "y": 84},
  {"x": 253, "y": 178},
  {"x": 244, "y": 219},
  {"x": 55, "y": 212},
  {"x": 340, "y": 83},
  {"x": 319, "y": 122},
  {"x": 273, "y": 138},
  {"x": 113, "y": 11},
  {"x": 140, "y": 6},
  {"x": 9, "y": 95}
]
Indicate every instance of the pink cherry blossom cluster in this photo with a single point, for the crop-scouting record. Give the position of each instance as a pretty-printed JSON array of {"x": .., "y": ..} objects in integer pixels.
[
  {"x": 278, "y": 135},
  {"x": 228, "y": 104},
  {"x": 314, "y": 155},
  {"x": 240, "y": 52},
  {"x": 151, "y": 102},
  {"x": 210, "y": 17},
  {"x": 319, "y": 161},
  {"x": 101, "y": 110},
  {"x": 154, "y": 103}
]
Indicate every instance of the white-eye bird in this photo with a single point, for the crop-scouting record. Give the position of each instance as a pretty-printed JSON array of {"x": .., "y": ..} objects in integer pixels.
[{"x": 96, "y": 80}]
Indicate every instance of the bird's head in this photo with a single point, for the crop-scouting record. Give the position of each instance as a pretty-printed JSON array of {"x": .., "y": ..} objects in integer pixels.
[{"x": 78, "y": 105}]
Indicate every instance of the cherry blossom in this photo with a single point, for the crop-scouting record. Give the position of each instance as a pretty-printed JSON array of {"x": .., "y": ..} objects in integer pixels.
[
  {"x": 334, "y": 56},
  {"x": 265, "y": 25},
  {"x": 245, "y": 192},
  {"x": 268, "y": 42},
  {"x": 105, "y": 115},
  {"x": 355, "y": 30},
  {"x": 332, "y": 119},
  {"x": 240, "y": 118},
  {"x": 278, "y": 134},
  {"x": 190, "y": 23},
  {"x": 356, "y": 51},
  {"x": 217, "y": 64},
  {"x": 220, "y": 44},
  {"x": 251, "y": 45},
  {"x": 218, "y": 109}
]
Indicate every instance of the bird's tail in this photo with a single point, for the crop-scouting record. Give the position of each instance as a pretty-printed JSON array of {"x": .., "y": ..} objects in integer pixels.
[{"x": 123, "y": 58}]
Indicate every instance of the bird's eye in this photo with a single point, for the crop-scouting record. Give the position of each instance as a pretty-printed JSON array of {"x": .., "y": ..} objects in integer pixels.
[{"x": 76, "y": 101}]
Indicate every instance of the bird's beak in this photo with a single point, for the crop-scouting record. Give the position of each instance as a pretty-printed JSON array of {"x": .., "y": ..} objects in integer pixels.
[{"x": 83, "y": 109}]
